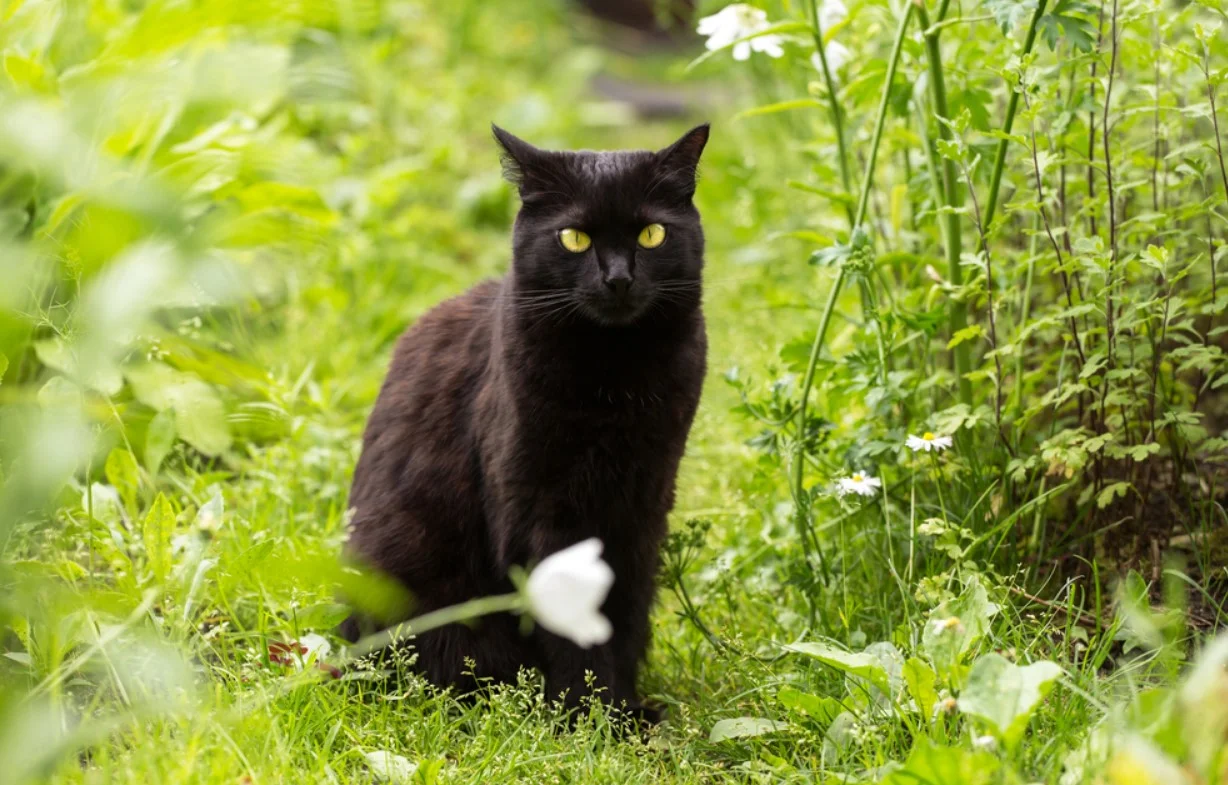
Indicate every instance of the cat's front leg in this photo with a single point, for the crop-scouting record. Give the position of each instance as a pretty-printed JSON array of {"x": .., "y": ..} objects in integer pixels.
[{"x": 574, "y": 673}]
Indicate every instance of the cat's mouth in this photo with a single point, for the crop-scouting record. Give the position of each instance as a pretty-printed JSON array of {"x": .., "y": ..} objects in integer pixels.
[{"x": 613, "y": 310}]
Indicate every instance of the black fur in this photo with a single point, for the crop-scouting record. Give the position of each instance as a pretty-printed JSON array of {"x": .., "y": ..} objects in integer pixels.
[{"x": 543, "y": 408}]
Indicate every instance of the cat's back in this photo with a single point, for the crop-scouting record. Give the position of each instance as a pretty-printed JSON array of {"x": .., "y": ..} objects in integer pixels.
[{"x": 425, "y": 400}]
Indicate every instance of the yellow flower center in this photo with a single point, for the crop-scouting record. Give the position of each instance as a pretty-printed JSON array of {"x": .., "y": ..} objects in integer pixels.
[
  {"x": 927, "y": 436},
  {"x": 858, "y": 477}
]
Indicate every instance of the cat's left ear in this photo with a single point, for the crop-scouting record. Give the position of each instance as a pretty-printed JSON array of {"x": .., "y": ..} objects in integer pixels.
[{"x": 680, "y": 161}]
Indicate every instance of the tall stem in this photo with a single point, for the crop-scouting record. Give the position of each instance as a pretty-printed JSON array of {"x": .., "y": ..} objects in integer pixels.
[
  {"x": 958, "y": 316},
  {"x": 1219, "y": 156},
  {"x": 1012, "y": 105},
  {"x": 833, "y": 99},
  {"x": 800, "y": 501}
]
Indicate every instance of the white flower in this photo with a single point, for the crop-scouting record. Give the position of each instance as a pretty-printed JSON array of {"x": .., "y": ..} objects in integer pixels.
[
  {"x": 927, "y": 442},
  {"x": 837, "y": 57},
  {"x": 860, "y": 484},
  {"x": 738, "y": 21},
  {"x": 831, "y": 13},
  {"x": 943, "y": 625},
  {"x": 566, "y": 590},
  {"x": 986, "y": 743}
]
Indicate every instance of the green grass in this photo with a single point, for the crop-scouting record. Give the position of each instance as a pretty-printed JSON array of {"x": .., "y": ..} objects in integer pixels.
[{"x": 259, "y": 200}]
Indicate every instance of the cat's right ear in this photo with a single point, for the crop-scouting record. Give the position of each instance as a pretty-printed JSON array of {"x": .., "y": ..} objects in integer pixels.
[{"x": 524, "y": 165}]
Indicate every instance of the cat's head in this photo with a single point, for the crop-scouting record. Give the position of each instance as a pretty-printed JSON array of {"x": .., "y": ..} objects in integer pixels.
[{"x": 610, "y": 236}]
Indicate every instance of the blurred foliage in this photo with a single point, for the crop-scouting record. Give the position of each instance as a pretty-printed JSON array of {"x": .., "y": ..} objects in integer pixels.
[{"x": 215, "y": 219}]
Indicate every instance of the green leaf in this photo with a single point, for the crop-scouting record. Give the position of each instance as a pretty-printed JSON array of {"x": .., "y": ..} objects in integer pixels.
[
  {"x": 55, "y": 353},
  {"x": 821, "y": 708},
  {"x": 1060, "y": 21},
  {"x": 744, "y": 727},
  {"x": 122, "y": 472},
  {"x": 1004, "y": 695},
  {"x": 920, "y": 678},
  {"x": 1105, "y": 497},
  {"x": 955, "y": 625},
  {"x": 779, "y": 106},
  {"x": 156, "y": 533},
  {"x": 860, "y": 664},
  {"x": 966, "y": 334},
  {"x": 388, "y": 767},
  {"x": 159, "y": 439},
  {"x": 1009, "y": 13},
  {"x": 931, "y": 764},
  {"x": 200, "y": 418},
  {"x": 4, "y": 366}
]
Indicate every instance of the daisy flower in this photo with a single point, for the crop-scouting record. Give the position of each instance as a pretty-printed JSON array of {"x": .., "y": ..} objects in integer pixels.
[
  {"x": 927, "y": 442},
  {"x": 860, "y": 484},
  {"x": 738, "y": 21}
]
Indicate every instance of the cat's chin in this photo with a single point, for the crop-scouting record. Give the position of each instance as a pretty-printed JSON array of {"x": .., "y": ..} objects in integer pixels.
[{"x": 614, "y": 314}]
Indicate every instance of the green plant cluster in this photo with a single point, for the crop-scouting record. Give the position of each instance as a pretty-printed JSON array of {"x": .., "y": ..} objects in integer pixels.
[{"x": 997, "y": 223}]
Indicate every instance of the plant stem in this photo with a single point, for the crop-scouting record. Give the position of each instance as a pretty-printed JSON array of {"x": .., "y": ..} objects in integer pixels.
[
  {"x": 800, "y": 501},
  {"x": 958, "y": 317},
  {"x": 1012, "y": 105},
  {"x": 837, "y": 114},
  {"x": 1219, "y": 156},
  {"x": 465, "y": 611}
]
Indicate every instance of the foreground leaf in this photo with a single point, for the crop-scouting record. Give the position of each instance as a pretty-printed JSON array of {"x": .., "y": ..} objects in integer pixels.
[
  {"x": 934, "y": 765},
  {"x": 388, "y": 767},
  {"x": 156, "y": 533},
  {"x": 861, "y": 664},
  {"x": 1004, "y": 695},
  {"x": 744, "y": 727}
]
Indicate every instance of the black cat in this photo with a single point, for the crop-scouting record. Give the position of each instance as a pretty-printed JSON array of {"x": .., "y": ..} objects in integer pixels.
[{"x": 544, "y": 408}]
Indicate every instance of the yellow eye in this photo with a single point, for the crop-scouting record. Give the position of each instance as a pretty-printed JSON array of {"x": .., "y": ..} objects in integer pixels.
[
  {"x": 574, "y": 240},
  {"x": 652, "y": 236}
]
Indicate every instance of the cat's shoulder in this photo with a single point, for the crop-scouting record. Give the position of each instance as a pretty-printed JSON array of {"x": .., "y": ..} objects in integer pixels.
[{"x": 454, "y": 318}]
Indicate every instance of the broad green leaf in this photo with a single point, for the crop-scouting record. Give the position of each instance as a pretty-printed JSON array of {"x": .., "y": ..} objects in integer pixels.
[
  {"x": 200, "y": 418},
  {"x": 122, "y": 472},
  {"x": 387, "y": 767},
  {"x": 821, "y": 708},
  {"x": 956, "y": 625},
  {"x": 744, "y": 727},
  {"x": 931, "y": 764},
  {"x": 859, "y": 664},
  {"x": 159, "y": 439},
  {"x": 1004, "y": 694},
  {"x": 57, "y": 354},
  {"x": 156, "y": 532},
  {"x": 920, "y": 678},
  {"x": 1061, "y": 21}
]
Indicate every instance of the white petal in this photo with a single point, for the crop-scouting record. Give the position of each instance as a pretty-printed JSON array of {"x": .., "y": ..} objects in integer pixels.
[
  {"x": 837, "y": 55},
  {"x": 768, "y": 44},
  {"x": 741, "y": 51},
  {"x": 832, "y": 13}
]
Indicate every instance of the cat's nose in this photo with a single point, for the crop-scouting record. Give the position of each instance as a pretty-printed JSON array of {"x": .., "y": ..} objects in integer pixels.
[{"x": 619, "y": 284}]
